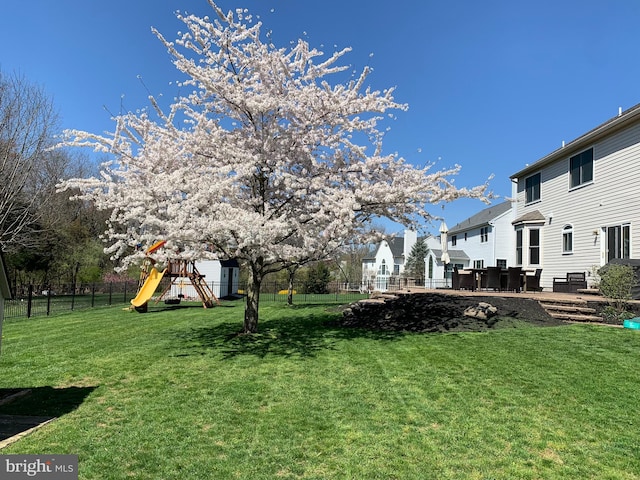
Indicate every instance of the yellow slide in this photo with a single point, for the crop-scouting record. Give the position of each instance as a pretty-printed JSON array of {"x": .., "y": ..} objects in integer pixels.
[{"x": 149, "y": 287}]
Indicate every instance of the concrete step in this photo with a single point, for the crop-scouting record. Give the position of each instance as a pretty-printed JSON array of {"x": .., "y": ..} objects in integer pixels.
[
  {"x": 566, "y": 308},
  {"x": 573, "y": 317},
  {"x": 572, "y": 310}
]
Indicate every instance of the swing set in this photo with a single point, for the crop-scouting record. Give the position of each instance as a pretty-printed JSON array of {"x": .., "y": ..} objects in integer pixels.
[{"x": 176, "y": 271}]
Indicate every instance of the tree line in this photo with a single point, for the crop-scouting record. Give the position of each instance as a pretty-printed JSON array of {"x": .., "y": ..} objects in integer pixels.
[{"x": 45, "y": 237}]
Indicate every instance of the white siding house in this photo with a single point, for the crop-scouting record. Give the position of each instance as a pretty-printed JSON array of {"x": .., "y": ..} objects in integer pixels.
[
  {"x": 380, "y": 271},
  {"x": 5, "y": 292},
  {"x": 437, "y": 273},
  {"x": 578, "y": 207},
  {"x": 483, "y": 240}
]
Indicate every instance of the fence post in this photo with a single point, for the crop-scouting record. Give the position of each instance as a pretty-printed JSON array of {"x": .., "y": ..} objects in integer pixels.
[
  {"x": 93, "y": 295},
  {"x": 29, "y": 300},
  {"x": 49, "y": 300},
  {"x": 73, "y": 294},
  {"x": 110, "y": 292}
]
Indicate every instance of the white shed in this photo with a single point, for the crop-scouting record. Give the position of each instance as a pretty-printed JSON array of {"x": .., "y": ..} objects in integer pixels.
[{"x": 222, "y": 276}]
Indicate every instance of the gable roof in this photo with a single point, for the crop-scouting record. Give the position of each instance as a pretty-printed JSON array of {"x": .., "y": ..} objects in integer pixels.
[
  {"x": 622, "y": 120},
  {"x": 481, "y": 218},
  {"x": 396, "y": 245},
  {"x": 4, "y": 279}
]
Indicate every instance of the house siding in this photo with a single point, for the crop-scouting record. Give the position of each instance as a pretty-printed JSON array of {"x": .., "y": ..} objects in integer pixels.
[
  {"x": 502, "y": 239},
  {"x": 611, "y": 199},
  {"x": 500, "y": 244}
]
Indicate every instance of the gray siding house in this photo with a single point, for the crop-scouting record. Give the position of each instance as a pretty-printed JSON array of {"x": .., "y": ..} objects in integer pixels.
[
  {"x": 485, "y": 238},
  {"x": 577, "y": 208}
]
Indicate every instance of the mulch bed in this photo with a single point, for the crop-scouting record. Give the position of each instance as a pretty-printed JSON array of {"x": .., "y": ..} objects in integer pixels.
[{"x": 432, "y": 312}]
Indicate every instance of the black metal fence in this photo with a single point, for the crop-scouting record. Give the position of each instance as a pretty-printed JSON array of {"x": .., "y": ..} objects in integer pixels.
[
  {"x": 30, "y": 301},
  {"x": 332, "y": 292}
]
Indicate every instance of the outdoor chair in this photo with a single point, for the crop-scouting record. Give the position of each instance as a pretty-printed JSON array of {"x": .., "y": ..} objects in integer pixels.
[
  {"x": 514, "y": 279},
  {"x": 493, "y": 278},
  {"x": 455, "y": 279},
  {"x": 467, "y": 281},
  {"x": 532, "y": 282},
  {"x": 571, "y": 283}
]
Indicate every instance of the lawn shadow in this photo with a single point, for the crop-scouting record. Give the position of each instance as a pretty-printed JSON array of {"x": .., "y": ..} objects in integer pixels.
[
  {"x": 301, "y": 333},
  {"x": 44, "y": 400},
  {"x": 159, "y": 308},
  {"x": 22, "y": 410}
]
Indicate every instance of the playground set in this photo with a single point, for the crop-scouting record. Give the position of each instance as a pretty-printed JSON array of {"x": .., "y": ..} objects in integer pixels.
[{"x": 176, "y": 270}]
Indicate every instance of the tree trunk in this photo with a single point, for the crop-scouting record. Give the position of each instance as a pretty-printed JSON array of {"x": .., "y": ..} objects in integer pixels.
[
  {"x": 290, "y": 290},
  {"x": 253, "y": 300}
]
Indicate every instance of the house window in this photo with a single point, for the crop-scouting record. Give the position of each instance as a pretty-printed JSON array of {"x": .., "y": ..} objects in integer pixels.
[
  {"x": 430, "y": 269},
  {"x": 454, "y": 240},
  {"x": 519, "y": 246},
  {"x": 532, "y": 188},
  {"x": 396, "y": 269},
  {"x": 567, "y": 239},
  {"x": 581, "y": 168},
  {"x": 501, "y": 262},
  {"x": 484, "y": 234},
  {"x": 383, "y": 268},
  {"x": 618, "y": 240},
  {"x": 478, "y": 264},
  {"x": 534, "y": 246}
]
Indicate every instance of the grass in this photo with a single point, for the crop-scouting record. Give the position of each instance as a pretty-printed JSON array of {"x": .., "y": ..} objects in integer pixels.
[{"x": 174, "y": 394}]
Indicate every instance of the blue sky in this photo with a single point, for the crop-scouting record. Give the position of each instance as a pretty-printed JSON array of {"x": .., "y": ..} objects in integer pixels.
[{"x": 491, "y": 85}]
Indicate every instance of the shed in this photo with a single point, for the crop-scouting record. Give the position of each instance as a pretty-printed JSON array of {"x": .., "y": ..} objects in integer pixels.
[{"x": 222, "y": 276}]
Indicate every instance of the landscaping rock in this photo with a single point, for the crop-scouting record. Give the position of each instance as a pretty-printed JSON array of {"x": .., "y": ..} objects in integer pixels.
[{"x": 482, "y": 311}]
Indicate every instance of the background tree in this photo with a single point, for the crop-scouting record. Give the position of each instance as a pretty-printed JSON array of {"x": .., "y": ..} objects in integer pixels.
[
  {"x": 28, "y": 170},
  {"x": 266, "y": 159},
  {"x": 414, "y": 266},
  {"x": 317, "y": 279}
]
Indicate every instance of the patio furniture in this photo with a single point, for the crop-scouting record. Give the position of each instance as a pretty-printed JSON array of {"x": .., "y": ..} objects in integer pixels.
[
  {"x": 493, "y": 278},
  {"x": 571, "y": 283},
  {"x": 514, "y": 279},
  {"x": 455, "y": 279},
  {"x": 462, "y": 280},
  {"x": 532, "y": 282}
]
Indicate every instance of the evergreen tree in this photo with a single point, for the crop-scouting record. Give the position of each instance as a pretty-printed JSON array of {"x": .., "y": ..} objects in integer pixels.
[
  {"x": 318, "y": 278},
  {"x": 414, "y": 266}
]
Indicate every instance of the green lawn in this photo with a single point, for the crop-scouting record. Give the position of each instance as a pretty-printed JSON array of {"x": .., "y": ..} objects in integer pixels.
[{"x": 173, "y": 394}]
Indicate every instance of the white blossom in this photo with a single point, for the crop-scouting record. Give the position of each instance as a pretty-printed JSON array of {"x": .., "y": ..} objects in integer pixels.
[{"x": 266, "y": 160}]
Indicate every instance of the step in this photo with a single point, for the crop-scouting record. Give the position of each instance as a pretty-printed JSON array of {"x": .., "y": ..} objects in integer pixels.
[
  {"x": 567, "y": 308},
  {"x": 589, "y": 291},
  {"x": 576, "y": 318},
  {"x": 563, "y": 301}
]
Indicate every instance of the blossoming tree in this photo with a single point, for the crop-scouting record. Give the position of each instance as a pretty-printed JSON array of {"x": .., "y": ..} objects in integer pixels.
[{"x": 265, "y": 160}]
